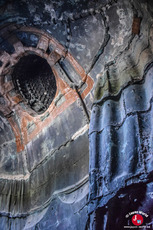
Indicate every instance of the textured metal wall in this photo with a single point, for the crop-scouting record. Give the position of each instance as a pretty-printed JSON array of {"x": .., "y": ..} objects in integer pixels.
[
  {"x": 120, "y": 134},
  {"x": 121, "y": 141},
  {"x": 101, "y": 46}
]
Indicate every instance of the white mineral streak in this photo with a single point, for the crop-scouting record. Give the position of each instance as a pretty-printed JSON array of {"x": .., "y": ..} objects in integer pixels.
[{"x": 80, "y": 132}]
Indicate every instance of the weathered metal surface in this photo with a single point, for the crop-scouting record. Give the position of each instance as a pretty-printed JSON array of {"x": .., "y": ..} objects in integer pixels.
[
  {"x": 121, "y": 143},
  {"x": 117, "y": 138},
  {"x": 62, "y": 87},
  {"x": 44, "y": 158}
]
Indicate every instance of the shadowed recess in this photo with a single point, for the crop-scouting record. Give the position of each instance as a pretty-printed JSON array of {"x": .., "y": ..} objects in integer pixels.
[{"x": 34, "y": 79}]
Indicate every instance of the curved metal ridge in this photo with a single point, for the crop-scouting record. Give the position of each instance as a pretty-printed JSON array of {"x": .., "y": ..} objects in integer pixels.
[
  {"x": 121, "y": 135},
  {"x": 114, "y": 110}
]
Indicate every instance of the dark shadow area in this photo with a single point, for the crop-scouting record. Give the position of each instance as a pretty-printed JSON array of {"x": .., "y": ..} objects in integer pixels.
[{"x": 35, "y": 81}]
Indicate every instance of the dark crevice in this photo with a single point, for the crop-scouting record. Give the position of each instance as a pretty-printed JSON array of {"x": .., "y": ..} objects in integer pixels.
[
  {"x": 83, "y": 105},
  {"x": 48, "y": 51}
]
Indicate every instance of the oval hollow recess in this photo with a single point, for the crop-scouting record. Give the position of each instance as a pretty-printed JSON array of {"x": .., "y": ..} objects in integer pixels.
[{"x": 35, "y": 81}]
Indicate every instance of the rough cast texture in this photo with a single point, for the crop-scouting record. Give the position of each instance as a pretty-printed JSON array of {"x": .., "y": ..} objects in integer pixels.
[
  {"x": 44, "y": 158},
  {"x": 121, "y": 153},
  {"x": 121, "y": 133}
]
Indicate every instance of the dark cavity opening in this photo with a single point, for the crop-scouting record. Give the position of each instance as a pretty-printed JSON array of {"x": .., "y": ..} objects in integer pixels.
[{"x": 34, "y": 79}]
